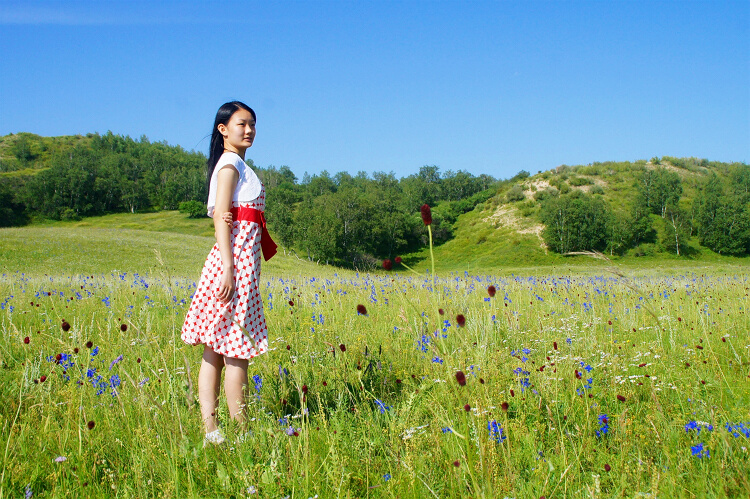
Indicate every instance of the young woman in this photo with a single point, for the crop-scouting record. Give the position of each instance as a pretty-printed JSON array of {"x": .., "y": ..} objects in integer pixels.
[{"x": 226, "y": 314}]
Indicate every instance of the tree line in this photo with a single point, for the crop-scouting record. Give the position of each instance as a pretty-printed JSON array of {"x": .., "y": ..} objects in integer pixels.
[
  {"x": 358, "y": 220},
  {"x": 342, "y": 219}
]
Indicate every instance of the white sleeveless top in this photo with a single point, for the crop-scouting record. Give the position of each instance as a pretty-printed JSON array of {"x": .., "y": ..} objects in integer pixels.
[{"x": 248, "y": 186}]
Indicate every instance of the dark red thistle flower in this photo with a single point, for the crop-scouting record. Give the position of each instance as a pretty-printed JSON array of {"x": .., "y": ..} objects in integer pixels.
[
  {"x": 123, "y": 327},
  {"x": 361, "y": 309},
  {"x": 621, "y": 398},
  {"x": 304, "y": 388},
  {"x": 426, "y": 214},
  {"x": 342, "y": 347},
  {"x": 607, "y": 468},
  {"x": 89, "y": 344},
  {"x": 325, "y": 383},
  {"x": 291, "y": 303},
  {"x": 491, "y": 291},
  {"x": 65, "y": 326},
  {"x": 387, "y": 264},
  {"x": 460, "y": 320},
  {"x": 461, "y": 378},
  {"x": 512, "y": 393},
  {"x": 441, "y": 311},
  {"x": 43, "y": 378},
  {"x": 398, "y": 259},
  {"x": 138, "y": 360},
  {"x": 554, "y": 344},
  {"x": 699, "y": 347},
  {"x": 289, "y": 347},
  {"x": 90, "y": 425},
  {"x": 456, "y": 463},
  {"x": 58, "y": 357},
  {"x": 398, "y": 381},
  {"x": 467, "y": 408},
  {"x": 724, "y": 339},
  {"x": 296, "y": 434},
  {"x": 26, "y": 340},
  {"x": 283, "y": 401},
  {"x": 504, "y": 406},
  {"x": 643, "y": 364},
  {"x": 481, "y": 380},
  {"x": 75, "y": 350},
  {"x": 578, "y": 375}
]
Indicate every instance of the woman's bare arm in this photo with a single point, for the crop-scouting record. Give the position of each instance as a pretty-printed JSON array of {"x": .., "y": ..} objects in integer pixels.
[{"x": 227, "y": 179}]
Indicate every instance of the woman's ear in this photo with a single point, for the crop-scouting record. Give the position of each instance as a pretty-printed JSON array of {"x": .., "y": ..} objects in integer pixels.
[{"x": 222, "y": 128}]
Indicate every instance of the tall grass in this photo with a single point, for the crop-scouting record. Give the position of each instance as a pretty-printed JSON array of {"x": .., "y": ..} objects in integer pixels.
[{"x": 352, "y": 405}]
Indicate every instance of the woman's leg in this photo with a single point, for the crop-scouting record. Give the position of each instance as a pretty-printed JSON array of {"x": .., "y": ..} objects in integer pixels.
[
  {"x": 209, "y": 384},
  {"x": 235, "y": 386}
]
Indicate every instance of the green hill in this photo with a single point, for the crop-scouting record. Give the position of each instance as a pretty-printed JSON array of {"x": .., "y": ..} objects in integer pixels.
[{"x": 507, "y": 230}]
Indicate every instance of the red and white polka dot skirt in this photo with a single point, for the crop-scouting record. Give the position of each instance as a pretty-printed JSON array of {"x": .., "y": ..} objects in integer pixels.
[{"x": 238, "y": 328}]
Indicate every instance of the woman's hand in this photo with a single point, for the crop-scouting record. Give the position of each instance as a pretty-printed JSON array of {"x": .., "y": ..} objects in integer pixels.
[
  {"x": 227, "y": 217},
  {"x": 226, "y": 287}
]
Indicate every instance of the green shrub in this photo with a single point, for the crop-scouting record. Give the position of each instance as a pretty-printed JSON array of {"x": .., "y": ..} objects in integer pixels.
[
  {"x": 69, "y": 214},
  {"x": 515, "y": 194},
  {"x": 549, "y": 192},
  {"x": 194, "y": 209},
  {"x": 579, "y": 181}
]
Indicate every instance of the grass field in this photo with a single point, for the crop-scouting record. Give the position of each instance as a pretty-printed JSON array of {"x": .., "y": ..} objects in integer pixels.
[{"x": 578, "y": 382}]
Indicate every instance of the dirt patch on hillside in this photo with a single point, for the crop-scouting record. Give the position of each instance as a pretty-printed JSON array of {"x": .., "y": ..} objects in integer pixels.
[
  {"x": 539, "y": 185},
  {"x": 508, "y": 216},
  {"x": 679, "y": 171}
]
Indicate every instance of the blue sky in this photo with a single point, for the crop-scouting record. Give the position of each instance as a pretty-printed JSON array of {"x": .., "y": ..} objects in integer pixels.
[{"x": 486, "y": 87}]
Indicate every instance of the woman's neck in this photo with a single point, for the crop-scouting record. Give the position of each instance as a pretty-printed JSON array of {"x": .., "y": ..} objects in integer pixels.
[{"x": 238, "y": 152}]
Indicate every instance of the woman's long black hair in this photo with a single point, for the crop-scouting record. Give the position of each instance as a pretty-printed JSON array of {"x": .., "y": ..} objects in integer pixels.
[{"x": 223, "y": 115}]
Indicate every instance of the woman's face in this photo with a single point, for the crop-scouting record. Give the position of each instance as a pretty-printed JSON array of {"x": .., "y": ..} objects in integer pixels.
[{"x": 239, "y": 132}]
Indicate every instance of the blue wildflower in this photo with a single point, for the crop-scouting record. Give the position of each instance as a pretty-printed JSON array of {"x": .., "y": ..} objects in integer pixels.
[
  {"x": 604, "y": 425},
  {"x": 699, "y": 451},
  {"x": 114, "y": 362},
  {"x": 382, "y": 406},
  {"x": 495, "y": 431}
]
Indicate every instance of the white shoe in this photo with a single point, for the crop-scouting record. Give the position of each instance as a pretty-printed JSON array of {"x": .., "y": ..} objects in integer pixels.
[{"x": 214, "y": 437}]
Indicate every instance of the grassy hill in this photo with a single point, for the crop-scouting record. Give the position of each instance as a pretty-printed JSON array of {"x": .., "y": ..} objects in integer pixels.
[
  {"x": 165, "y": 243},
  {"x": 27, "y": 153},
  {"x": 503, "y": 232}
]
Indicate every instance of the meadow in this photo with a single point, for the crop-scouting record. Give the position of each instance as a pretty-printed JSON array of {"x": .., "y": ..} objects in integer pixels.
[{"x": 574, "y": 381}]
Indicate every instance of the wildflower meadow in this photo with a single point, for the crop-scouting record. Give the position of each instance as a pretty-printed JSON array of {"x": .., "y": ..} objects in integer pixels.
[{"x": 385, "y": 384}]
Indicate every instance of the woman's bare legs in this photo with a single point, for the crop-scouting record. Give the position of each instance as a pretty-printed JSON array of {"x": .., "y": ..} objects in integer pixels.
[
  {"x": 235, "y": 386},
  {"x": 209, "y": 384}
]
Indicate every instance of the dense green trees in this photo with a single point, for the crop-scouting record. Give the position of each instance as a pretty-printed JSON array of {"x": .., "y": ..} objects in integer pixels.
[
  {"x": 575, "y": 222},
  {"x": 344, "y": 219},
  {"x": 111, "y": 173},
  {"x": 724, "y": 218}
]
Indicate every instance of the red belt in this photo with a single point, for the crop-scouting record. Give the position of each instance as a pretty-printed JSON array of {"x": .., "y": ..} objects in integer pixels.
[{"x": 243, "y": 214}]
